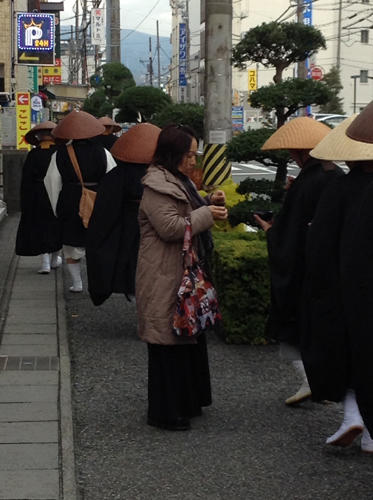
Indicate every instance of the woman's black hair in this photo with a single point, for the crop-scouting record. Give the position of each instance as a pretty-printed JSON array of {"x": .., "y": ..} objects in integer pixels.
[{"x": 173, "y": 144}]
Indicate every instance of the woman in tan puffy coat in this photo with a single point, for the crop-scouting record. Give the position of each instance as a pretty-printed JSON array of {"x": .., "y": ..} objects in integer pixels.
[{"x": 178, "y": 376}]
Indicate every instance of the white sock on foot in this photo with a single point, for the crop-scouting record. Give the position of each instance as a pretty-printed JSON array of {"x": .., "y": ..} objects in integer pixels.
[
  {"x": 74, "y": 270},
  {"x": 45, "y": 264},
  {"x": 56, "y": 260},
  {"x": 304, "y": 391},
  {"x": 352, "y": 424}
]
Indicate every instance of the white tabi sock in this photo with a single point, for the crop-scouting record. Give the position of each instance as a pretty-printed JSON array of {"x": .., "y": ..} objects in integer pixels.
[
  {"x": 56, "y": 260},
  {"x": 45, "y": 264},
  {"x": 74, "y": 270},
  {"x": 352, "y": 424}
]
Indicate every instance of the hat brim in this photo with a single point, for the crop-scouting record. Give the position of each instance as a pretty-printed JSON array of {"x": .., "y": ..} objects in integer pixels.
[
  {"x": 299, "y": 133},
  {"x": 45, "y": 127},
  {"x": 337, "y": 146}
]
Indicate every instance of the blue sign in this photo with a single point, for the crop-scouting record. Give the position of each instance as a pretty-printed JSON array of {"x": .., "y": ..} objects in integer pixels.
[
  {"x": 237, "y": 118},
  {"x": 307, "y": 21},
  {"x": 35, "y": 32},
  {"x": 182, "y": 55}
]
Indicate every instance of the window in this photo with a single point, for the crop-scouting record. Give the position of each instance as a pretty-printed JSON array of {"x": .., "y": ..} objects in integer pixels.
[
  {"x": 2, "y": 81},
  {"x": 363, "y": 76},
  {"x": 364, "y": 36},
  {"x": 365, "y": 1}
]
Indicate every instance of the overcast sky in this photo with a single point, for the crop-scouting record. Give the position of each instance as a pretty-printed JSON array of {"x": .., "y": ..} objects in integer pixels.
[{"x": 132, "y": 13}]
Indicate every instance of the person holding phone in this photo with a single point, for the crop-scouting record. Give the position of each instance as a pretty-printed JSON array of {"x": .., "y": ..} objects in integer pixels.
[{"x": 286, "y": 237}]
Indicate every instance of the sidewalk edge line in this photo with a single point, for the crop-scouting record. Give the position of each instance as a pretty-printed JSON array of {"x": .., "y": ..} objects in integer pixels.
[
  {"x": 7, "y": 292},
  {"x": 69, "y": 478}
]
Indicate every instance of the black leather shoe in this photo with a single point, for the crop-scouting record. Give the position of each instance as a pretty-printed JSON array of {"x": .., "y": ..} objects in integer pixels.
[{"x": 181, "y": 424}]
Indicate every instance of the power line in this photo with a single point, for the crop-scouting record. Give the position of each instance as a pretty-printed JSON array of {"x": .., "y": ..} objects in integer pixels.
[{"x": 146, "y": 17}]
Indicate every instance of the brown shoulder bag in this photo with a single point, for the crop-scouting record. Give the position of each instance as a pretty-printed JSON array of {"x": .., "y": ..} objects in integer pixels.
[{"x": 88, "y": 197}]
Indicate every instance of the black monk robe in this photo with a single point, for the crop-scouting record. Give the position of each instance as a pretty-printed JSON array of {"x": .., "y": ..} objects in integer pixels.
[
  {"x": 113, "y": 235},
  {"x": 357, "y": 292},
  {"x": 286, "y": 246},
  {"x": 326, "y": 337},
  {"x": 39, "y": 230}
]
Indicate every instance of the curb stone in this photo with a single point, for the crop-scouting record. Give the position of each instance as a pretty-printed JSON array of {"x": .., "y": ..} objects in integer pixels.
[{"x": 68, "y": 479}]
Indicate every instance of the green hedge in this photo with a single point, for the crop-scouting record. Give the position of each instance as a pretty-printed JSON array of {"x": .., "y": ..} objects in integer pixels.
[{"x": 241, "y": 274}]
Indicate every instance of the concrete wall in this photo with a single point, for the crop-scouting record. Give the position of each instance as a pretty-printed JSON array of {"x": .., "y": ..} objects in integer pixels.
[{"x": 12, "y": 171}]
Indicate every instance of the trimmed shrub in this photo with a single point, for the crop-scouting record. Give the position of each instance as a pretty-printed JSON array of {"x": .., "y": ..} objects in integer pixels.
[{"x": 241, "y": 272}]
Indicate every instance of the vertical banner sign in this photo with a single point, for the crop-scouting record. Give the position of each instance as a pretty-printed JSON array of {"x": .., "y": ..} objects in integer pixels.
[
  {"x": 252, "y": 79},
  {"x": 23, "y": 112},
  {"x": 53, "y": 74},
  {"x": 97, "y": 27},
  {"x": 237, "y": 119},
  {"x": 35, "y": 39},
  {"x": 182, "y": 61},
  {"x": 307, "y": 20}
]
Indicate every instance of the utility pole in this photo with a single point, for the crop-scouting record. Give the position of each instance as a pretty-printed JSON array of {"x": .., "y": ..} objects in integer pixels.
[
  {"x": 84, "y": 44},
  {"x": 108, "y": 31},
  {"x": 187, "y": 50},
  {"x": 150, "y": 63},
  {"x": 339, "y": 36},
  {"x": 158, "y": 56},
  {"x": 218, "y": 85},
  {"x": 115, "y": 31},
  {"x": 302, "y": 69}
]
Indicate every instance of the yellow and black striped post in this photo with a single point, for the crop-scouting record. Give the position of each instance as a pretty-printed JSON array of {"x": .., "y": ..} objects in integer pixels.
[{"x": 216, "y": 167}]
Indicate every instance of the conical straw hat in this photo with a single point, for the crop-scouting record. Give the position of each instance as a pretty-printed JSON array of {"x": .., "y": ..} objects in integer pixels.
[
  {"x": 78, "y": 125},
  {"x": 108, "y": 122},
  {"x": 137, "y": 145},
  {"x": 40, "y": 127},
  {"x": 300, "y": 133},
  {"x": 338, "y": 147},
  {"x": 362, "y": 128}
]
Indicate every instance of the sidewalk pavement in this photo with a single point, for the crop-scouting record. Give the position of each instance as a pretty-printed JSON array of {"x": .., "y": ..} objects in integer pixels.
[{"x": 36, "y": 429}]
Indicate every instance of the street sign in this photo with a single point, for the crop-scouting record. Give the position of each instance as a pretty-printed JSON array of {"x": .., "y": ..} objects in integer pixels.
[
  {"x": 53, "y": 74},
  {"x": 316, "y": 73},
  {"x": 23, "y": 113},
  {"x": 97, "y": 27},
  {"x": 252, "y": 80},
  {"x": 237, "y": 118},
  {"x": 36, "y": 103},
  {"x": 35, "y": 39}
]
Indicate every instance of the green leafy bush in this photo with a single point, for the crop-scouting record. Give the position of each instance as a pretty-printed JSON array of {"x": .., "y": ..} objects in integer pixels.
[{"x": 241, "y": 274}]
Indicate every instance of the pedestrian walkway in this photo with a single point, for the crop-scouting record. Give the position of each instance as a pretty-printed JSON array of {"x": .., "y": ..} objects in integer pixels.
[{"x": 36, "y": 438}]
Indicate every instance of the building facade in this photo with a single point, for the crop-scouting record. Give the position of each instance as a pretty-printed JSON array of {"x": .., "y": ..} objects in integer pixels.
[{"x": 345, "y": 24}]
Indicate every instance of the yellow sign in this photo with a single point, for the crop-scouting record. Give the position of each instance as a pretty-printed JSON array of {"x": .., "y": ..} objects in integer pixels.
[
  {"x": 252, "y": 77},
  {"x": 23, "y": 112}
]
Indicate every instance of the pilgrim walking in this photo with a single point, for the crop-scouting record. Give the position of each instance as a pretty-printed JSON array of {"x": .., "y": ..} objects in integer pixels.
[
  {"x": 286, "y": 237},
  {"x": 39, "y": 231},
  {"x": 107, "y": 138},
  {"x": 113, "y": 236},
  {"x": 64, "y": 187}
]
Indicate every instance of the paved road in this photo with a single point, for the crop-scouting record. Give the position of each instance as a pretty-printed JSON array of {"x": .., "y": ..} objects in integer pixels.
[
  {"x": 242, "y": 170},
  {"x": 247, "y": 446}
]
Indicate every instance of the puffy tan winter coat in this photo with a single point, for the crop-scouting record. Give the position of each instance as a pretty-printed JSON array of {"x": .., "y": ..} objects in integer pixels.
[{"x": 163, "y": 209}]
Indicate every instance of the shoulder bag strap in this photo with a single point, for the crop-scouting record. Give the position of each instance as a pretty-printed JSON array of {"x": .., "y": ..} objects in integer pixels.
[
  {"x": 188, "y": 244},
  {"x": 75, "y": 163}
]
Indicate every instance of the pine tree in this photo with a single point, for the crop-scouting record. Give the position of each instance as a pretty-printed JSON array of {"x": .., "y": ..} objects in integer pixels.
[{"x": 333, "y": 80}]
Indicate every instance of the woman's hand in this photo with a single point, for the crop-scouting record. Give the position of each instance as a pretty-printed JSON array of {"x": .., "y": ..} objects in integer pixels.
[
  {"x": 218, "y": 198},
  {"x": 218, "y": 213},
  {"x": 264, "y": 224}
]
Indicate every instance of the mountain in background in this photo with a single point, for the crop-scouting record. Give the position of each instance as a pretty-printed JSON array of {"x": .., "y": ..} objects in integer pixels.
[{"x": 135, "y": 48}]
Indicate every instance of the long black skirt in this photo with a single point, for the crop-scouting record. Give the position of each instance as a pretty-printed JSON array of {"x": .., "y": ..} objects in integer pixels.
[{"x": 178, "y": 380}]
